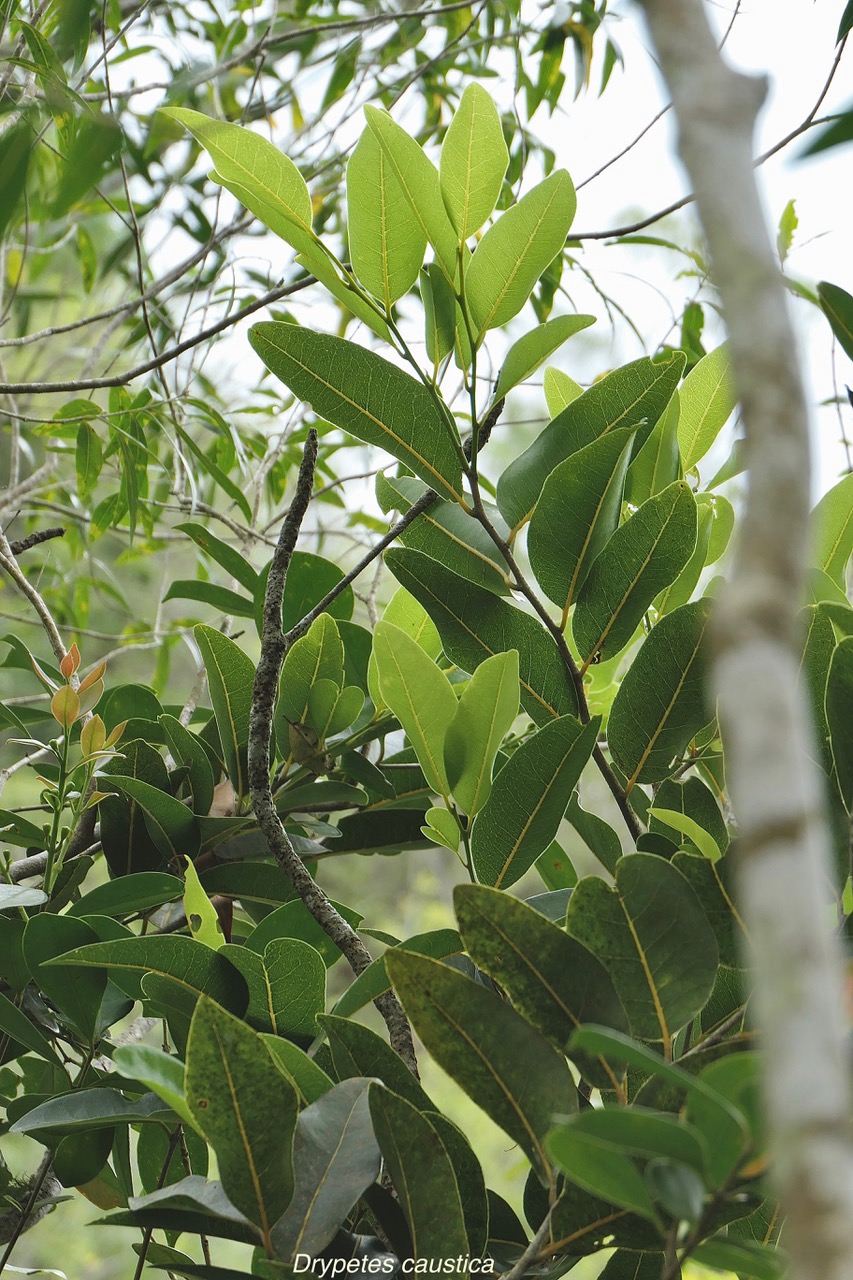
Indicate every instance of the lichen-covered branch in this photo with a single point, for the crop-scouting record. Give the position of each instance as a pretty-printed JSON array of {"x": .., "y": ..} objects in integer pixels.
[
  {"x": 273, "y": 648},
  {"x": 783, "y": 851}
]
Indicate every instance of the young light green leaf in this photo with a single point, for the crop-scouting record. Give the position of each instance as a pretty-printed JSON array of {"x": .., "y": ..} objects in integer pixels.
[
  {"x": 832, "y": 530},
  {"x": 258, "y": 174},
  {"x": 502, "y": 1063},
  {"x": 441, "y": 827},
  {"x": 653, "y": 937},
  {"x": 486, "y": 711},
  {"x": 560, "y": 390},
  {"x": 577, "y": 512},
  {"x": 419, "y": 182},
  {"x": 159, "y": 1071},
  {"x": 644, "y": 556},
  {"x": 404, "y": 611},
  {"x": 515, "y": 251},
  {"x": 386, "y": 239},
  {"x": 366, "y": 395},
  {"x": 658, "y": 463},
  {"x": 230, "y": 677},
  {"x": 528, "y": 799},
  {"x": 707, "y": 399},
  {"x": 662, "y": 701},
  {"x": 704, "y": 841},
  {"x": 201, "y": 914},
  {"x": 439, "y": 313},
  {"x": 419, "y": 695},
  {"x": 474, "y": 160},
  {"x": 233, "y": 1089},
  {"x": 474, "y": 624},
  {"x": 527, "y": 354},
  {"x": 316, "y": 261},
  {"x": 316, "y": 656}
]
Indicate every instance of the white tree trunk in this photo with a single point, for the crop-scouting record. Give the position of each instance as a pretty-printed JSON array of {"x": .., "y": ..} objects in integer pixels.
[{"x": 783, "y": 853}]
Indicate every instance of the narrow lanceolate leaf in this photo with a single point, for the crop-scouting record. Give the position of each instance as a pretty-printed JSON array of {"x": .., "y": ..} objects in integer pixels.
[
  {"x": 528, "y": 799},
  {"x": 253, "y": 168},
  {"x": 550, "y": 977},
  {"x": 422, "y": 1174},
  {"x": 707, "y": 399},
  {"x": 387, "y": 241},
  {"x": 837, "y": 306},
  {"x": 335, "y": 1159},
  {"x": 643, "y": 557},
  {"x": 360, "y": 392},
  {"x": 576, "y": 514},
  {"x": 832, "y": 530},
  {"x": 230, "y": 676},
  {"x": 420, "y": 696},
  {"x": 653, "y": 937},
  {"x": 474, "y": 625},
  {"x": 508, "y": 1068},
  {"x": 662, "y": 701},
  {"x": 234, "y": 1089},
  {"x": 419, "y": 182},
  {"x": 634, "y": 396},
  {"x": 515, "y": 251},
  {"x": 839, "y": 701},
  {"x": 487, "y": 708},
  {"x": 528, "y": 353},
  {"x": 474, "y": 160}
]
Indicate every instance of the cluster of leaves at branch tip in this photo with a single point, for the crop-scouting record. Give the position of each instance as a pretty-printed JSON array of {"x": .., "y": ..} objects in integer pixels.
[{"x": 545, "y": 628}]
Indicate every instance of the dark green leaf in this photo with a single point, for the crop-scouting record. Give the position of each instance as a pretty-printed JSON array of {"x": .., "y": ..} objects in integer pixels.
[
  {"x": 92, "y": 1109},
  {"x": 230, "y": 676},
  {"x": 837, "y": 306},
  {"x": 839, "y": 701},
  {"x": 47, "y": 941},
  {"x": 358, "y": 1051},
  {"x": 170, "y": 824}
]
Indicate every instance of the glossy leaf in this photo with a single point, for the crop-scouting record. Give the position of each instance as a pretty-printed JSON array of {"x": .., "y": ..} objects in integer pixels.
[
  {"x": 386, "y": 239},
  {"x": 577, "y": 512},
  {"x": 233, "y": 1088},
  {"x": 309, "y": 1080},
  {"x": 707, "y": 399},
  {"x": 474, "y": 624},
  {"x": 662, "y": 701},
  {"x": 528, "y": 799},
  {"x": 318, "y": 655},
  {"x": 230, "y": 677},
  {"x": 515, "y": 251},
  {"x": 335, "y": 1159},
  {"x": 404, "y": 611},
  {"x": 644, "y": 556},
  {"x": 651, "y": 934},
  {"x": 364, "y": 394},
  {"x": 602, "y": 1168},
  {"x": 484, "y": 715},
  {"x": 374, "y": 981},
  {"x": 502, "y": 1063},
  {"x": 92, "y": 1109},
  {"x": 129, "y": 894},
  {"x": 529, "y": 352},
  {"x": 188, "y": 750},
  {"x": 474, "y": 160}
]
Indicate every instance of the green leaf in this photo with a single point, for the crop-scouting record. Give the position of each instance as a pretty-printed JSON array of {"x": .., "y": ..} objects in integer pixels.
[
  {"x": 474, "y": 160},
  {"x": 644, "y": 556},
  {"x": 196, "y": 970},
  {"x": 357, "y": 1051},
  {"x": 309, "y": 579},
  {"x": 506, "y": 1067},
  {"x": 651, "y": 934},
  {"x": 128, "y": 848},
  {"x": 294, "y": 920},
  {"x": 633, "y": 396},
  {"x": 419, "y": 182},
  {"x": 193, "y": 1205},
  {"x": 846, "y": 22},
  {"x": 712, "y": 884},
  {"x": 223, "y": 481},
  {"x": 704, "y": 841},
  {"x": 92, "y": 1109},
  {"x": 746, "y": 1257},
  {"x": 17, "y": 1026},
  {"x": 515, "y": 251},
  {"x": 485, "y": 714},
  {"x": 577, "y": 512},
  {"x": 474, "y": 624},
  {"x": 13, "y": 896},
  {"x": 170, "y": 824},
  {"x": 832, "y": 530},
  {"x": 422, "y": 1174},
  {"x": 309, "y": 1080},
  {"x": 640, "y": 1131},
  {"x": 220, "y": 598},
  {"x": 528, "y": 353},
  {"x": 335, "y": 1159},
  {"x": 129, "y": 894},
  {"x": 257, "y": 173},
  {"x": 560, "y": 390},
  {"x": 839, "y": 700},
  {"x": 188, "y": 750},
  {"x": 48, "y": 940},
  {"x": 602, "y": 1168},
  {"x": 554, "y": 981},
  {"x": 233, "y": 1089},
  {"x": 316, "y": 656},
  {"x": 296, "y": 987},
  {"x": 201, "y": 914},
  {"x": 17, "y": 145},
  {"x": 228, "y": 558},
  {"x": 386, "y": 239},
  {"x": 442, "y": 828},
  {"x": 658, "y": 463},
  {"x": 439, "y": 313},
  {"x": 374, "y": 981},
  {"x": 707, "y": 399},
  {"x": 662, "y": 701},
  {"x": 469, "y": 1179},
  {"x": 364, "y": 394},
  {"x": 90, "y": 156},
  {"x": 528, "y": 799},
  {"x": 161, "y": 1072},
  {"x": 230, "y": 677},
  {"x": 317, "y": 263},
  {"x": 837, "y": 305},
  {"x": 89, "y": 459},
  {"x": 419, "y": 695},
  {"x": 405, "y": 612}
]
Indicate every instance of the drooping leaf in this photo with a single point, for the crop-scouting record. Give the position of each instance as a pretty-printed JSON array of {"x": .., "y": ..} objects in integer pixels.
[
  {"x": 474, "y": 624},
  {"x": 506, "y": 1067},
  {"x": 651, "y": 934},
  {"x": 194, "y": 1205},
  {"x": 528, "y": 799},
  {"x": 707, "y": 399},
  {"x": 420, "y": 696},
  {"x": 644, "y": 556},
  {"x": 662, "y": 701},
  {"x": 484, "y": 715},
  {"x": 529, "y": 352},
  {"x": 474, "y": 160},
  {"x": 366, "y": 395},
  {"x": 386, "y": 239}
]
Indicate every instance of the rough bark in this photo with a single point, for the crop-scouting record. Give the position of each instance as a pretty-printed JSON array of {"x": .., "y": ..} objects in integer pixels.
[{"x": 784, "y": 861}]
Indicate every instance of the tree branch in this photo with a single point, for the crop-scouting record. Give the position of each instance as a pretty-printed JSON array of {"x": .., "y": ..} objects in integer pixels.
[
  {"x": 274, "y": 646},
  {"x": 784, "y": 849}
]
